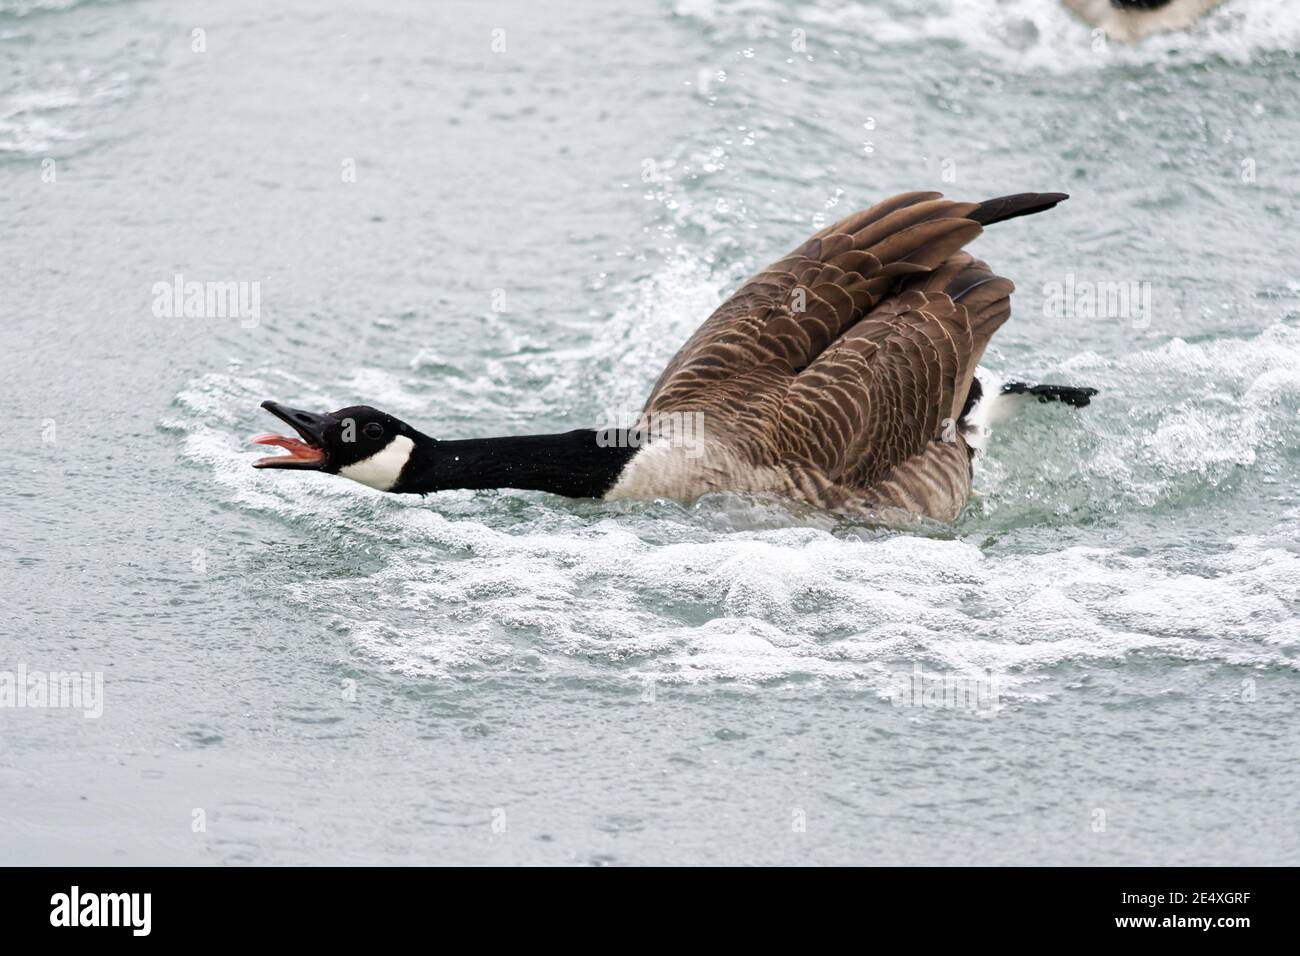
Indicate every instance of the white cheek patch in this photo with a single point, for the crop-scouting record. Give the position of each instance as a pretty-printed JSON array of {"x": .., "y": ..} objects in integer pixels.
[{"x": 382, "y": 469}]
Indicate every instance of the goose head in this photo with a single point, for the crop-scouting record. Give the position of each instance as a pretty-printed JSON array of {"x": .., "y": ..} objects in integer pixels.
[{"x": 358, "y": 442}]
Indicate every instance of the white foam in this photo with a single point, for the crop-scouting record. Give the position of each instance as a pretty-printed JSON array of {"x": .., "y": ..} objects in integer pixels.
[
  {"x": 812, "y": 607},
  {"x": 1134, "y": 446},
  {"x": 750, "y": 589},
  {"x": 54, "y": 108}
]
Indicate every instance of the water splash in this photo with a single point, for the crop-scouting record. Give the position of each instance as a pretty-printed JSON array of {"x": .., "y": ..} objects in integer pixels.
[{"x": 735, "y": 588}]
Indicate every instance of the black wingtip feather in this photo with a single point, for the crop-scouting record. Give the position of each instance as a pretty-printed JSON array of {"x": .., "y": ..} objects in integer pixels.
[{"x": 1011, "y": 207}]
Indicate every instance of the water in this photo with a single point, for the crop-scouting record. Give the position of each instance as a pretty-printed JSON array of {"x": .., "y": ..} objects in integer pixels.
[{"x": 299, "y": 670}]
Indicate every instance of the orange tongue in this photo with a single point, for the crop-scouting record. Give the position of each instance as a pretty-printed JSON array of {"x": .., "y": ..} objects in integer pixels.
[{"x": 297, "y": 448}]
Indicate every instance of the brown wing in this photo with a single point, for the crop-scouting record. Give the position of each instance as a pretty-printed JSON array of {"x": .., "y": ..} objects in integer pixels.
[
  {"x": 792, "y": 311},
  {"x": 878, "y": 411},
  {"x": 855, "y": 352}
]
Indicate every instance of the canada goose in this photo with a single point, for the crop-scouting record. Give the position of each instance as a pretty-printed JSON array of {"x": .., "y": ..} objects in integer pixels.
[
  {"x": 843, "y": 375},
  {"x": 1130, "y": 20}
]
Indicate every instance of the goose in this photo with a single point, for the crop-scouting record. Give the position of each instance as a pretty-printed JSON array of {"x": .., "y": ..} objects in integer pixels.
[
  {"x": 1132, "y": 20},
  {"x": 844, "y": 376}
]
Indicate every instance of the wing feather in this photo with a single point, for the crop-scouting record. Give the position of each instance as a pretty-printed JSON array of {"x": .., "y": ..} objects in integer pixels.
[{"x": 851, "y": 358}]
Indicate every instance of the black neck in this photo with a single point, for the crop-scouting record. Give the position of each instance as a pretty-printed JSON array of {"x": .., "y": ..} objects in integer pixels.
[{"x": 577, "y": 464}]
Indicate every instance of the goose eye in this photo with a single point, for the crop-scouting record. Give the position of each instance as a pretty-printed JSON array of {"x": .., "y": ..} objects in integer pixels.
[{"x": 373, "y": 430}]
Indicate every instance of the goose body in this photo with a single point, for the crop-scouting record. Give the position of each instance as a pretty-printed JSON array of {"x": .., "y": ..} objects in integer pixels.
[
  {"x": 1131, "y": 20},
  {"x": 843, "y": 375}
]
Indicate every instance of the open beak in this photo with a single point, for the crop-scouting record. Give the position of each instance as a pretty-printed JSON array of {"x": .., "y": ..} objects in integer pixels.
[{"x": 307, "y": 452}]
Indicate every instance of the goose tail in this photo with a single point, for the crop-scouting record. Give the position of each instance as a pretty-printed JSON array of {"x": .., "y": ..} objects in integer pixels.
[
  {"x": 990, "y": 403},
  {"x": 1076, "y": 395}
]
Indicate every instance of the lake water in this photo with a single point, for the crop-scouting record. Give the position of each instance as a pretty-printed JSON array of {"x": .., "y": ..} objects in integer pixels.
[{"x": 492, "y": 218}]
